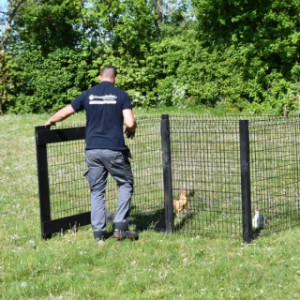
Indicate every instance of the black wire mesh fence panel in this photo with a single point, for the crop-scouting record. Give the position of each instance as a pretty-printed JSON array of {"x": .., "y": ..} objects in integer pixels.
[
  {"x": 148, "y": 199},
  {"x": 275, "y": 181},
  {"x": 147, "y": 204},
  {"x": 205, "y": 159},
  {"x": 66, "y": 193}
]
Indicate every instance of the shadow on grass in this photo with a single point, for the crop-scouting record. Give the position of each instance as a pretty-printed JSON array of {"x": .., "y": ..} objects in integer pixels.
[
  {"x": 256, "y": 233},
  {"x": 154, "y": 220},
  {"x": 182, "y": 219}
]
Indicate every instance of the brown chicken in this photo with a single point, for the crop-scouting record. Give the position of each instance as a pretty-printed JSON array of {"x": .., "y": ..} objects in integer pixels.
[{"x": 180, "y": 204}]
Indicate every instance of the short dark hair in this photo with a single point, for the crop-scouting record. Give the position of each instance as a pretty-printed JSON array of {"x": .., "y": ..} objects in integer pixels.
[{"x": 109, "y": 71}]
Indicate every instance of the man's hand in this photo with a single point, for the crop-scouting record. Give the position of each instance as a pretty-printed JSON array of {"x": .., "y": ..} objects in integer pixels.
[
  {"x": 48, "y": 124},
  {"x": 130, "y": 133},
  {"x": 60, "y": 116},
  {"x": 130, "y": 123}
]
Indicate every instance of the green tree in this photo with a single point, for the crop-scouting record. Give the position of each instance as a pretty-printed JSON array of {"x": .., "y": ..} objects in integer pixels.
[
  {"x": 50, "y": 24},
  {"x": 239, "y": 55},
  {"x": 57, "y": 47},
  {"x": 47, "y": 59},
  {"x": 7, "y": 22},
  {"x": 122, "y": 33},
  {"x": 264, "y": 39}
]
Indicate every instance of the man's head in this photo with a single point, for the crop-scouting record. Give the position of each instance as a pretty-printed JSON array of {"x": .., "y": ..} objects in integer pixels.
[{"x": 108, "y": 73}]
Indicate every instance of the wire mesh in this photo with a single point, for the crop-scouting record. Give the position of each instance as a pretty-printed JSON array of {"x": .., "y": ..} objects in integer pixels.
[
  {"x": 148, "y": 199},
  {"x": 205, "y": 159},
  {"x": 275, "y": 171},
  {"x": 69, "y": 191}
]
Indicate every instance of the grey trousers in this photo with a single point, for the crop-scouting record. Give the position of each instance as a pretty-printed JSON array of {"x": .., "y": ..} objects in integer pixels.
[{"x": 102, "y": 162}]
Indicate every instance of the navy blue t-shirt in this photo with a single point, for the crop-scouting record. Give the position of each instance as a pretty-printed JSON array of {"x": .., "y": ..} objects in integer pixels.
[{"x": 104, "y": 105}]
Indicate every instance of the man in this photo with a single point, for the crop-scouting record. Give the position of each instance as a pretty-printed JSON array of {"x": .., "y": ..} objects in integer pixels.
[{"x": 107, "y": 108}]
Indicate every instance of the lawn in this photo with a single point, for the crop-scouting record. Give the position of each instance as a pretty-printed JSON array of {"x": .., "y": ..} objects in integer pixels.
[{"x": 157, "y": 266}]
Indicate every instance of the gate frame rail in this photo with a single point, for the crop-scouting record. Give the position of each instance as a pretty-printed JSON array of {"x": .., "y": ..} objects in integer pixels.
[{"x": 43, "y": 137}]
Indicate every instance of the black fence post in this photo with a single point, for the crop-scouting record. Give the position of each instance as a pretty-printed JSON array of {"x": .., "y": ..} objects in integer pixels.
[
  {"x": 43, "y": 180},
  {"x": 245, "y": 180},
  {"x": 167, "y": 172}
]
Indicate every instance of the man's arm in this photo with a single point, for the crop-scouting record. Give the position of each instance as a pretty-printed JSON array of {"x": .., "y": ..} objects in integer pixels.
[
  {"x": 130, "y": 123},
  {"x": 60, "y": 116}
]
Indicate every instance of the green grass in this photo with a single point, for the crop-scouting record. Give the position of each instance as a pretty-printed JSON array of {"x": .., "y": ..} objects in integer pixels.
[{"x": 158, "y": 266}]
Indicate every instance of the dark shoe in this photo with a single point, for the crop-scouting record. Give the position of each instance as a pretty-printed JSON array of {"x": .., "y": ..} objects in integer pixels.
[
  {"x": 99, "y": 237},
  {"x": 120, "y": 234}
]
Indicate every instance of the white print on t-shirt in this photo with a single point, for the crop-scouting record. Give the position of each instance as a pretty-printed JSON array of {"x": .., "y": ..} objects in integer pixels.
[{"x": 106, "y": 99}]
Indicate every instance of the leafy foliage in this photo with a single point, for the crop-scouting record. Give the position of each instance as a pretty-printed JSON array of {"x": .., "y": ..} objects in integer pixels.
[
  {"x": 48, "y": 83},
  {"x": 236, "y": 55},
  {"x": 261, "y": 36}
]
